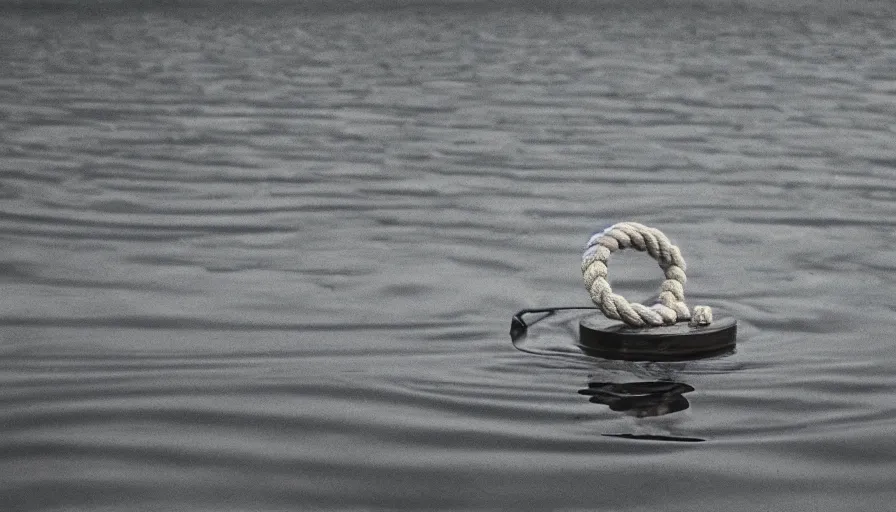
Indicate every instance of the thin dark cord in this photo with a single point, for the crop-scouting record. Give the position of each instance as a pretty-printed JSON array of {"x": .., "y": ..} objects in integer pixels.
[{"x": 518, "y": 325}]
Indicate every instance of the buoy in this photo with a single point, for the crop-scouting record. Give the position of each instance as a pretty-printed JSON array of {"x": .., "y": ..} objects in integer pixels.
[
  {"x": 665, "y": 343},
  {"x": 665, "y": 330}
]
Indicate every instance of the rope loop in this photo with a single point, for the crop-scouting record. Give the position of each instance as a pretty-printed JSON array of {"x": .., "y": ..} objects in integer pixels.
[{"x": 670, "y": 307}]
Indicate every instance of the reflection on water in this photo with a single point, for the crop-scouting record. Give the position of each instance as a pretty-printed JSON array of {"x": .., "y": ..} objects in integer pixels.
[
  {"x": 639, "y": 399},
  {"x": 642, "y": 400},
  {"x": 653, "y": 437}
]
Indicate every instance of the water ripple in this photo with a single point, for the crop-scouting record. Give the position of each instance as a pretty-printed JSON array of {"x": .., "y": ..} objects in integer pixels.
[{"x": 265, "y": 257}]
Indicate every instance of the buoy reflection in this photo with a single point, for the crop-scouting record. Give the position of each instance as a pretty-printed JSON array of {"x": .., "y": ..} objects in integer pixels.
[{"x": 640, "y": 399}]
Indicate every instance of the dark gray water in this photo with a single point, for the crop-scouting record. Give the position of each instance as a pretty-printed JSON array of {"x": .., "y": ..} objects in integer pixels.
[{"x": 265, "y": 259}]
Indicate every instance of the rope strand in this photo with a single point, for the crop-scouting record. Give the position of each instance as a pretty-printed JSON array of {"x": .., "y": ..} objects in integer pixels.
[{"x": 670, "y": 307}]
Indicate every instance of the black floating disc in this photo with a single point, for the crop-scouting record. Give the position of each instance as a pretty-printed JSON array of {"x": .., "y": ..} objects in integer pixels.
[{"x": 665, "y": 343}]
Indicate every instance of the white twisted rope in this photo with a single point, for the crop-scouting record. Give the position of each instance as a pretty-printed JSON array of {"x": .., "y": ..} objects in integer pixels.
[{"x": 670, "y": 307}]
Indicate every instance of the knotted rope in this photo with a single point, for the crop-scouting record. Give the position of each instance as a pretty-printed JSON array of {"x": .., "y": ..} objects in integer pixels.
[{"x": 670, "y": 307}]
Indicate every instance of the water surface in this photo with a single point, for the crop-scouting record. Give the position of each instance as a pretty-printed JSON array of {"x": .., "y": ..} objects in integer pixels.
[{"x": 265, "y": 259}]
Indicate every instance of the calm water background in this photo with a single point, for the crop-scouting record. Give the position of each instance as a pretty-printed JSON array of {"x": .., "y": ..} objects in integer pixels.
[{"x": 265, "y": 258}]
